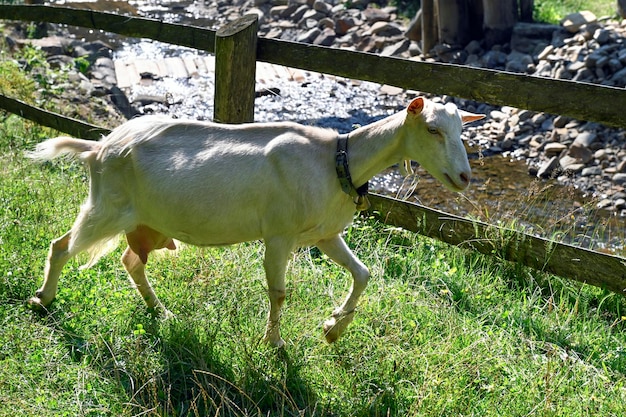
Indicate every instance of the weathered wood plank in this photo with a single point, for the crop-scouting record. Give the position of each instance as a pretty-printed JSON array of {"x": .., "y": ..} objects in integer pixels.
[
  {"x": 560, "y": 259},
  {"x": 139, "y": 27},
  {"x": 578, "y": 100},
  {"x": 56, "y": 121},
  {"x": 235, "y": 70}
]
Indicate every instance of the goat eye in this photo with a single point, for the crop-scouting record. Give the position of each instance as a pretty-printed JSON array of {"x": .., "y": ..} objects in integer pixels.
[{"x": 433, "y": 131}]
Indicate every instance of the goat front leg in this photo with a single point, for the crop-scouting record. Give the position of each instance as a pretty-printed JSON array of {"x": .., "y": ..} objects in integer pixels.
[
  {"x": 277, "y": 252},
  {"x": 342, "y": 316},
  {"x": 58, "y": 255}
]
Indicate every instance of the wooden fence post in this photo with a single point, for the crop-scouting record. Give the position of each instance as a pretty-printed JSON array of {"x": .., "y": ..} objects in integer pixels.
[
  {"x": 235, "y": 70},
  {"x": 429, "y": 26}
]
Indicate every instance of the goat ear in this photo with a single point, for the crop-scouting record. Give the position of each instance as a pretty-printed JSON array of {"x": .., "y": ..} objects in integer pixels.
[
  {"x": 468, "y": 117},
  {"x": 416, "y": 106}
]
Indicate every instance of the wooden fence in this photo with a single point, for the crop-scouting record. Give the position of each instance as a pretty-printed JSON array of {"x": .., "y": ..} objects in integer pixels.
[{"x": 237, "y": 42}]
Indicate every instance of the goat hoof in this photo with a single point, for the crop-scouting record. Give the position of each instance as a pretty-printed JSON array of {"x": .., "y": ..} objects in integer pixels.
[
  {"x": 36, "y": 304},
  {"x": 273, "y": 339},
  {"x": 331, "y": 332},
  {"x": 278, "y": 344},
  {"x": 334, "y": 327},
  {"x": 160, "y": 312}
]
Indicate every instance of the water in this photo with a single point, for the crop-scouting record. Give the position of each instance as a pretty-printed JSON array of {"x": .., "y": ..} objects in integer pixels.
[{"x": 501, "y": 191}]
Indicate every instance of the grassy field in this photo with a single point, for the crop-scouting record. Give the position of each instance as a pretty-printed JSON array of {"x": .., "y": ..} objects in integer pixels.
[{"x": 439, "y": 331}]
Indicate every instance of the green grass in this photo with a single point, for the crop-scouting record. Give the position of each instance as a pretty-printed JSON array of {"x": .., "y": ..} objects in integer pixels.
[
  {"x": 552, "y": 11},
  {"x": 439, "y": 331}
]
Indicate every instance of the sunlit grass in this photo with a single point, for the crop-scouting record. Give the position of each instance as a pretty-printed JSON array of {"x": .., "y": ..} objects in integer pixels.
[{"x": 552, "y": 11}]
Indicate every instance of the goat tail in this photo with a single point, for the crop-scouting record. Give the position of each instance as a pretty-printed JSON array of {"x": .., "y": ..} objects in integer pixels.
[{"x": 63, "y": 145}]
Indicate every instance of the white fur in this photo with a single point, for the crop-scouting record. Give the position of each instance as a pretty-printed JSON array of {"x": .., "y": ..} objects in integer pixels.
[{"x": 212, "y": 184}]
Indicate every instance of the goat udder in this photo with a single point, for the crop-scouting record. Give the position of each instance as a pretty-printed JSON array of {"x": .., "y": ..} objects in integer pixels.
[{"x": 144, "y": 240}]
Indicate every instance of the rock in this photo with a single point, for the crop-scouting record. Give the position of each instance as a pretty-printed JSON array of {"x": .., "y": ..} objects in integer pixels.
[
  {"x": 325, "y": 38},
  {"x": 52, "y": 45},
  {"x": 561, "y": 121},
  {"x": 312, "y": 15},
  {"x": 310, "y": 36},
  {"x": 604, "y": 203},
  {"x": 255, "y": 11},
  {"x": 580, "y": 153},
  {"x": 322, "y": 7},
  {"x": 58, "y": 61},
  {"x": 619, "y": 179},
  {"x": 390, "y": 90},
  {"x": 297, "y": 14},
  {"x": 554, "y": 148},
  {"x": 574, "y": 21},
  {"x": 473, "y": 48},
  {"x": 374, "y": 15},
  {"x": 397, "y": 48},
  {"x": 384, "y": 29},
  {"x": 589, "y": 171},
  {"x": 519, "y": 62},
  {"x": 278, "y": 12},
  {"x": 344, "y": 24},
  {"x": 619, "y": 78},
  {"x": 585, "y": 139},
  {"x": 602, "y": 36},
  {"x": 548, "y": 167}
]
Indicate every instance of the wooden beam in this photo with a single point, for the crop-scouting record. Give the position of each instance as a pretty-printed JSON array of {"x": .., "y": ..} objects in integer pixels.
[
  {"x": 56, "y": 121},
  {"x": 560, "y": 259},
  {"x": 581, "y": 101},
  {"x": 138, "y": 27}
]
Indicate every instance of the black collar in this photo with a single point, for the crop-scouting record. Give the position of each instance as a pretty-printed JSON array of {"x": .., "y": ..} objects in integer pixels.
[{"x": 343, "y": 173}]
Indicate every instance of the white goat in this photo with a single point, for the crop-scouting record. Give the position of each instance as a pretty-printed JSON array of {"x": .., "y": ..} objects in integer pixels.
[{"x": 156, "y": 179}]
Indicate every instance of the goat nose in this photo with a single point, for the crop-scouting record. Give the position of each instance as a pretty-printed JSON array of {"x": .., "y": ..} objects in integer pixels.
[{"x": 465, "y": 178}]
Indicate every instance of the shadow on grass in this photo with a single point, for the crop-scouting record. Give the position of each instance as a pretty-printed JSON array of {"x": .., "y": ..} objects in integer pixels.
[{"x": 172, "y": 369}]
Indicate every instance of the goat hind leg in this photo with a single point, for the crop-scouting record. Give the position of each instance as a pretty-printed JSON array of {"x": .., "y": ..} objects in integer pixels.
[
  {"x": 141, "y": 242},
  {"x": 342, "y": 316},
  {"x": 137, "y": 271},
  {"x": 58, "y": 255}
]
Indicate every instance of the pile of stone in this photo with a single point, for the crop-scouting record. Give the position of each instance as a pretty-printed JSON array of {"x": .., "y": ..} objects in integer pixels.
[{"x": 357, "y": 25}]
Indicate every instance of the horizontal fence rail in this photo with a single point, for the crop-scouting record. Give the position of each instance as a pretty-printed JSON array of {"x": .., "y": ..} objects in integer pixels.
[
  {"x": 136, "y": 27},
  {"x": 581, "y": 101},
  {"x": 56, "y": 121},
  {"x": 587, "y": 266},
  {"x": 540, "y": 94}
]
